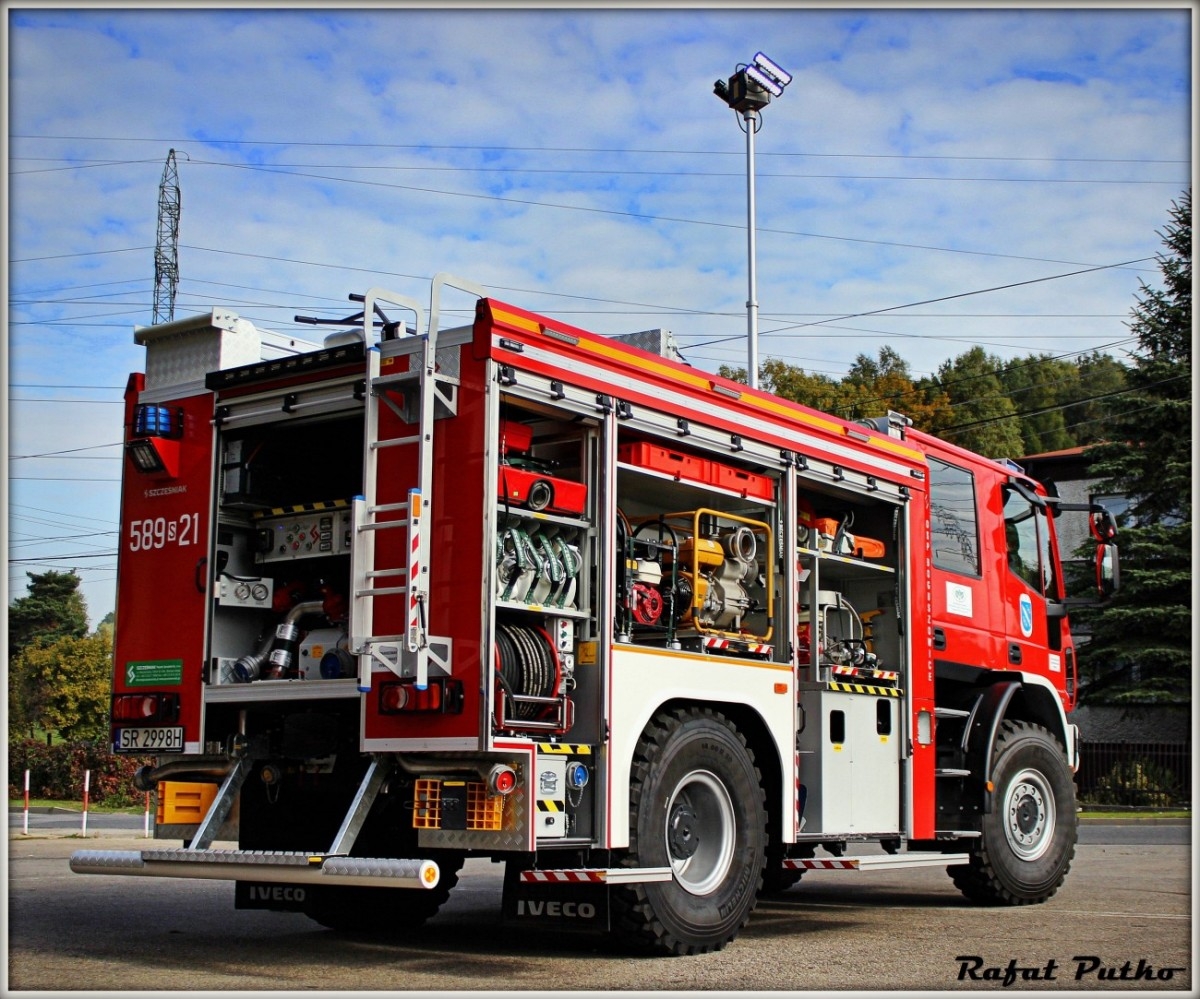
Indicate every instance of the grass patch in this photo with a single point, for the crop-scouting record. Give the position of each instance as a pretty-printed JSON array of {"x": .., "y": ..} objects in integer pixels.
[
  {"x": 1135, "y": 813},
  {"x": 18, "y": 804}
]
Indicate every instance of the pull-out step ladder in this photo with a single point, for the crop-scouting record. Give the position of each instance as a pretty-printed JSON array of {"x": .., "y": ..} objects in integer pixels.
[
  {"x": 327, "y": 867},
  {"x": 433, "y": 390}
]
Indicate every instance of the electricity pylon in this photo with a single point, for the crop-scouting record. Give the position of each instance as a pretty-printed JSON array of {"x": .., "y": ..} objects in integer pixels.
[{"x": 166, "y": 251}]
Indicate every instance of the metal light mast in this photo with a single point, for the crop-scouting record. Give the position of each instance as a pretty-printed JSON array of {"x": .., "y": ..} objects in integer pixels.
[
  {"x": 166, "y": 251},
  {"x": 748, "y": 91}
]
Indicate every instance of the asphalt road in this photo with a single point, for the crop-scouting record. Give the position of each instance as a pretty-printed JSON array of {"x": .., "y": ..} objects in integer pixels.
[{"x": 1125, "y": 909}]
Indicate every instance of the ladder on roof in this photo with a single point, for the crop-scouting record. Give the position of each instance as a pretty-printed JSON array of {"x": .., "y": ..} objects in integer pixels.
[{"x": 432, "y": 390}]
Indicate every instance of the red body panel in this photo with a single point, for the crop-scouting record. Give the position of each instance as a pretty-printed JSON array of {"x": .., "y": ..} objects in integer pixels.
[
  {"x": 455, "y": 516},
  {"x": 162, "y": 568}
]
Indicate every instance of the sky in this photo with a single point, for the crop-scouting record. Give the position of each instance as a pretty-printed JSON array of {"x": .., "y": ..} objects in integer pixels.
[{"x": 930, "y": 180}]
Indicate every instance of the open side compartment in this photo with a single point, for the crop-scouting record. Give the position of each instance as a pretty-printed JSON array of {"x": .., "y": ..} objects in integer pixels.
[
  {"x": 282, "y": 553},
  {"x": 698, "y": 539}
]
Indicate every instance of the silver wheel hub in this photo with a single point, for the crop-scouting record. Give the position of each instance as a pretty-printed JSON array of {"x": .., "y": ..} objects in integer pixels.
[
  {"x": 1029, "y": 815},
  {"x": 700, "y": 832}
]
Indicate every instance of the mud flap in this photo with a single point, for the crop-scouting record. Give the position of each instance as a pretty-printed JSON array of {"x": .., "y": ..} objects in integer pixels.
[
  {"x": 559, "y": 907},
  {"x": 265, "y": 895}
]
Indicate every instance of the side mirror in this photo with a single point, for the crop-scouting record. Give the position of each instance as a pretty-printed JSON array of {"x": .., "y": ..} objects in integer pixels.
[
  {"x": 1108, "y": 570},
  {"x": 1102, "y": 525}
]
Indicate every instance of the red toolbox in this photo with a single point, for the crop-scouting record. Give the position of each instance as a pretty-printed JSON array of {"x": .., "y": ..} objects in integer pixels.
[
  {"x": 643, "y": 454},
  {"x": 740, "y": 481}
]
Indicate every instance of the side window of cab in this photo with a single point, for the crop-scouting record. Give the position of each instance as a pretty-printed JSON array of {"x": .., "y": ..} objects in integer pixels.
[
  {"x": 954, "y": 519},
  {"x": 1027, "y": 540}
]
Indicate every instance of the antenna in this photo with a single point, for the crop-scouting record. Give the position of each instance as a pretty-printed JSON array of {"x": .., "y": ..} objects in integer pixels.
[{"x": 166, "y": 251}]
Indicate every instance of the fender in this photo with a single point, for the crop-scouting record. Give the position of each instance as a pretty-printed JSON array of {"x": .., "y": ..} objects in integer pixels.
[{"x": 1040, "y": 704}]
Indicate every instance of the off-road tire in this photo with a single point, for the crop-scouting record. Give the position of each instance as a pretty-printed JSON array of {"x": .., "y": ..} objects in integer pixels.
[
  {"x": 697, "y": 805},
  {"x": 1028, "y": 838}
]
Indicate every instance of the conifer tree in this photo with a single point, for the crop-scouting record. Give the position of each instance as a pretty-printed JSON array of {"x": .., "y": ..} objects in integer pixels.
[{"x": 1139, "y": 649}]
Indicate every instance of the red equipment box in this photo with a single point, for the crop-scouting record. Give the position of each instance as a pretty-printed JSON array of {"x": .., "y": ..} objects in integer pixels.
[
  {"x": 739, "y": 481},
  {"x": 643, "y": 454},
  {"x": 541, "y": 492}
]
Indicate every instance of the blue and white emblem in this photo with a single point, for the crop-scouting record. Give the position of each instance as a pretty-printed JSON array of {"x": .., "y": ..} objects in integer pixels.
[{"x": 1026, "y": 615}]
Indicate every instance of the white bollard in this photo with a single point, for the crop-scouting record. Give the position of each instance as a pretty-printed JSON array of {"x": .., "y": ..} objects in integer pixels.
[
  {"x": 87, "y": 783},
  {"x": 25, "y": 828},
  {"x": 146, "y": 818}
]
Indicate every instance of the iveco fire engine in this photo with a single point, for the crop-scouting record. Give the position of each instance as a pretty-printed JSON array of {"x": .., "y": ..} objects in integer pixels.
[{"x": 658, "y": 641}]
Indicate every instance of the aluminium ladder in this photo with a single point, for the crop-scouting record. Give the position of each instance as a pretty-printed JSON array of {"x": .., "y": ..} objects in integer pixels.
[{"x": 432, "y": 388}]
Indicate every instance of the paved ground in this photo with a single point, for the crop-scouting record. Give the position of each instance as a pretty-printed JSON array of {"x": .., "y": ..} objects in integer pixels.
[{"x": 1125, "y": 910}]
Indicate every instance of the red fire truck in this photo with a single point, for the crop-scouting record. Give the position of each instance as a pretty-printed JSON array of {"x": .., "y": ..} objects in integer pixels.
[{"x": 658, "y": 641}]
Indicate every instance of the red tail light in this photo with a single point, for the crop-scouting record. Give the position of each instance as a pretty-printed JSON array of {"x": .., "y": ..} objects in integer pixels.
[
  {"x": 443, "y": 695},
  {"x": 151, "y": 707}
]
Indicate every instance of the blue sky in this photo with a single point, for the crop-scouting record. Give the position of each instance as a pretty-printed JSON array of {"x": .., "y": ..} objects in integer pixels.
[{"x": 575, "y": 163}]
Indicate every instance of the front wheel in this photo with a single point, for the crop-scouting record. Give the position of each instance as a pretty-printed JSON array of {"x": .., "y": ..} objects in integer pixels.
[
  {"x": 696, "y": 806},
  {"x": 1028, "y": 838}
]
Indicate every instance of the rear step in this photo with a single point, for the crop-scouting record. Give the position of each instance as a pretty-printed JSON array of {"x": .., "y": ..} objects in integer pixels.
[
  {"x": 879, "y": 862},
  {"x": 260, "y": 865}
]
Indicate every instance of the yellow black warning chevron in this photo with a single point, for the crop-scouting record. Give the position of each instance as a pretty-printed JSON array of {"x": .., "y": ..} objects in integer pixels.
[
  {"x": 862, "y": 688},
  {"x": 544, "y": 805},
  {"x": 280, "y": 511},
  {"x": 564, "y": 749}
]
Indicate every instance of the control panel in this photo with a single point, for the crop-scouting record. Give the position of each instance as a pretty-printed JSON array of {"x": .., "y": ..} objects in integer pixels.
[{"x": 306, "y": 533}]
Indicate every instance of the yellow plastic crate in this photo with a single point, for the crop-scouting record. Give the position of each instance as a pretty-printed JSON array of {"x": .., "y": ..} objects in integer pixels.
[
  {"x": 183, "y": 803},
  {"x": 485, "y": 812}
]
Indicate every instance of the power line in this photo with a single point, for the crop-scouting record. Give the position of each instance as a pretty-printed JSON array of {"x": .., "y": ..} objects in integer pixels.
[
  {"x": 634, "y": 215},
  {"x": 426, "y": 168},
  {"x": 1050, "y": 409},
  {"x": 576, "y": 149}
]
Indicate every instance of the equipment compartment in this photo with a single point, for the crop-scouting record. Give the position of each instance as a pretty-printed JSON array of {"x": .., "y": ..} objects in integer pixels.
[
  {"x": 544, "y": 567},
  {"x": 283, "y": 553}
]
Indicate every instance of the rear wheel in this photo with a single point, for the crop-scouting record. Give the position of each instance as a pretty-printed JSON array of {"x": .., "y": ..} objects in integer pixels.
[
  {"x": 696, "y": 806},
  {"x": 1028, "y": 839}
]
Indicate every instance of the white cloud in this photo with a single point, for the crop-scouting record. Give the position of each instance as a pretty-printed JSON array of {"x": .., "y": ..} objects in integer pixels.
[{"x": 609, "y": 111}]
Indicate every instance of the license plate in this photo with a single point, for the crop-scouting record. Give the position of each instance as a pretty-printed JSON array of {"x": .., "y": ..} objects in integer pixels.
[{"x": 149, "y": 740}]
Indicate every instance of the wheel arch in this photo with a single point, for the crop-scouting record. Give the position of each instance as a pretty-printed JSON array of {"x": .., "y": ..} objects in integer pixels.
[
  {"x": 753, "y": 727},
  {"x": 1013, "y": 696}
]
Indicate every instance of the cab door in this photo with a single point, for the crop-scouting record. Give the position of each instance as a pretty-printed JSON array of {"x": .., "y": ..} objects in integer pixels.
[{"x": 1029, "y": 587}]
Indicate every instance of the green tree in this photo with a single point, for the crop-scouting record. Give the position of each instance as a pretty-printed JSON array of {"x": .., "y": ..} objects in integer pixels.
[
  {"x": 1140, "y": 644},
  {"x": 873, "y": 386},
  {"x": 983, "y": 415},
  {"x": 1039, "y": 387},
  {"x": 74, "y": 679},
  {"x": 1100, "y": 378},
  {"x": 53, "y": 609},
  {"x": 790, "y": 382}
]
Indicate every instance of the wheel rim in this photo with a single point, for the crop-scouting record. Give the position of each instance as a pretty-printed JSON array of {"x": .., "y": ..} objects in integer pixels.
[
  {"x": 1029, "y": 815},
  {"x": 700, "y": 832}
]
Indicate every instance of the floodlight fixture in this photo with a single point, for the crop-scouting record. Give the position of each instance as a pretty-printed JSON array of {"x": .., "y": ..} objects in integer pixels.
[
  {"x": 764, "y": 81},
  {"x": 779, "y": 75}
]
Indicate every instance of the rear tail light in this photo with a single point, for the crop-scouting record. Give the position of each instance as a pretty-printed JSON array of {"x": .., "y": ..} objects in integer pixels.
[
  {"x": 144, "y": 708},
  {"x": 502, "y": 779},
  {"x": 443, "y": 695}
]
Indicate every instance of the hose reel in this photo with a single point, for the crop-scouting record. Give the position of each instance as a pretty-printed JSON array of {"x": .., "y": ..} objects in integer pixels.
[{"x": 530, "y": 675}]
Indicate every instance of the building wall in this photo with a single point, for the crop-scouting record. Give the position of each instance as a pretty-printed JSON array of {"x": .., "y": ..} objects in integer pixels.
[{"x": 1134, "y": 722}]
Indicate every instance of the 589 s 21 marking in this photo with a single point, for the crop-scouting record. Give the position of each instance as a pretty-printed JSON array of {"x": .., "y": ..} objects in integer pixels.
[{"x": 154, "y": 533}]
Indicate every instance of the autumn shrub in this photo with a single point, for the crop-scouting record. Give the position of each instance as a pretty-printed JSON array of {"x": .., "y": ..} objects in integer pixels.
[{"x": 56, "y": 773}]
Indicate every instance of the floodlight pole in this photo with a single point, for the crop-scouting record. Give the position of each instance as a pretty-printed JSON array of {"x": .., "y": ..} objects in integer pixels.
[
  {"x": 748, "y": 91},
  {"x": 751, "y": 119}
]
